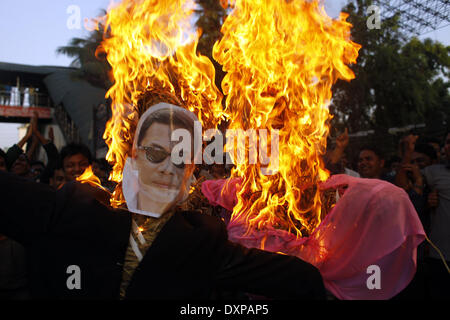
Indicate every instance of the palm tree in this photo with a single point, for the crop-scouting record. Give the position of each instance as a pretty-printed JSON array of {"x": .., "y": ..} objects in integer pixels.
[{"x": 92, "y": 64}]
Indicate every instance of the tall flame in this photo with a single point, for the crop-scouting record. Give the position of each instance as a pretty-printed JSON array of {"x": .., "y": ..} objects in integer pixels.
[
  {"x": 151, "y": 46},
  {"x": 282, "y": 58},
  {"x": 89, "y": 177}
]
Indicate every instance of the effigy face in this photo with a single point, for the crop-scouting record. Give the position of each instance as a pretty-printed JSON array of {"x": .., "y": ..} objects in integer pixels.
[{"x": 153, "y": 183}]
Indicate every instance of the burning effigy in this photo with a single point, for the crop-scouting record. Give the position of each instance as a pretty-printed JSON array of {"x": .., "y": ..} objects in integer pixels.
[
  {"x": 281, "y": 60},
  {"x": 151, "y": 47}
]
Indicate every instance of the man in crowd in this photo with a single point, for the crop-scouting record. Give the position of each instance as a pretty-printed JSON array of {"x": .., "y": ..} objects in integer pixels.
[
  {"x": 75, "y": 159},
  {"x": 336, "y": 160},
  {"x": 22, "y": 167},
  {"x": 57, "y": 178},
  {"x": 438, "y": 180},
  {"x": 102, "y": 169},
  {"x": 371, "y": 163},
  {"x": 37, "y": 168},
  {"x": 13, "y": 275}
]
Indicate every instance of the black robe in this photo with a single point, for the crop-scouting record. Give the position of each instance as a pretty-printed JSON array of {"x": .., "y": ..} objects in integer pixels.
[{"x": 190, "y": 258}]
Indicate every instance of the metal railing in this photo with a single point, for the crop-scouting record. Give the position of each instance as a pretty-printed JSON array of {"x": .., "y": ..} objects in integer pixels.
[
  {"x": 68, "y": 127},
  {"x": 24, "y": 98}
]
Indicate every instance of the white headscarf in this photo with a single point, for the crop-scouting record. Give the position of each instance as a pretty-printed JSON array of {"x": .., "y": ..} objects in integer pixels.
[{"x": 139, "y": 173}]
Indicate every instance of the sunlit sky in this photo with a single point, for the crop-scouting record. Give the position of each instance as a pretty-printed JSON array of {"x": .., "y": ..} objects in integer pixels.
[{"x": 31, "y": 31}]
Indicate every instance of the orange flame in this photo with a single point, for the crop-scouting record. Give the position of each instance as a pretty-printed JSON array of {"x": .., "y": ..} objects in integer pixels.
[
  {"x": 88, "y": 176},
  {"x": 151, "y": 45},
  {"x": 282, "y": 58}
]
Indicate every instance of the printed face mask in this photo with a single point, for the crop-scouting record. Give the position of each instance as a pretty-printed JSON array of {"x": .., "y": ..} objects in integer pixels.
[{"x": 152, "y": 181}]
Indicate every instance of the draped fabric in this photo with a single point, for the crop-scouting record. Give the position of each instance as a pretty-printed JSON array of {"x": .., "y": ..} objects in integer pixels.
[{"x": 373, "y": 227}]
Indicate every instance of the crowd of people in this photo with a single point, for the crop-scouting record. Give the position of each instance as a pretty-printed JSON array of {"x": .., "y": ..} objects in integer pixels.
[
  {"x": 421, "y": 168},
  {"x": 62, "y": 166}
]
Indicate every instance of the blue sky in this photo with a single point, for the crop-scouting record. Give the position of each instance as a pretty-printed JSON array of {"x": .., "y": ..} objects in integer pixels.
[{"x": 31, "y": 31}]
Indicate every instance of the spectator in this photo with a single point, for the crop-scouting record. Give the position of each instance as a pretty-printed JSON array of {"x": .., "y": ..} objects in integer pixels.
[
  {"x": 393, "y": 165},
  {"x": 57, "y": 178},
  {"x": 31, "y": 97},
  {"x": 336, "y": 161},
  {"x": 101, "y": 169},
  {"x": 410, "y": 177},
  {"x": 7, "y": 96},
  {"x": 438, "y": 180},
  {"x": 424, "y": 155},
  {"x": 50, "y": 150},
  {"x": 75, "y": 159},
  {"x": 37, "y": 169},
  {"x": 32, "y": 132},
  {"x": 415, "y": 158},
  {"x": 16, "y": 150},
  {"x": 13, "y": 275},
  {"x": 435, "y": 143},
  {"x": 22, "y": 167},
  {"x": 371, "y": 163}
]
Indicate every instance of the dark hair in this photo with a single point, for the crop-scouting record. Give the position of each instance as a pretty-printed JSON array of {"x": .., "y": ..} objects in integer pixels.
[
  {"x": 24, "y": 155},
  {"x": 427, "y": 150},
  {"x": 392, "y": 160},
  {"x": 373, "y": 149},
  {"x": 32, "y": 163},
  {"x": 73, "y": 149},
  {"x": 447, "y": 132},
  {"x": 51, "y": 171},
  {"x": 165, "y": 116},
  {"x": 433, "y": 140},
  {"x": 3, "y": 154},
  {"x": 103, "y": 164}
]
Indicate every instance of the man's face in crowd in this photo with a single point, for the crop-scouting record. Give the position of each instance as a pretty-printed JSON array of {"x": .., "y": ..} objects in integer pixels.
[
  {"x": 447, "y": 147},
  {"x": 369, "y": 164},
  {"x": 344, "y": 160},
  {"x": 36, "y": 170},
  {"x": 3, "y": 164},
  {"x": 58, "y": 179},
  {"x": 98, "y": 171},
  {"x": 74, "y": 166},
  {"x": 437, "y": 148},
  {"x": 21, "y": 166},
  {"x": 421, "y": 160}
]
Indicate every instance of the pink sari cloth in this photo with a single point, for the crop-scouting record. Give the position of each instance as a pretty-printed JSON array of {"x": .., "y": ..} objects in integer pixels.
[{"x": 373, "y": 223}]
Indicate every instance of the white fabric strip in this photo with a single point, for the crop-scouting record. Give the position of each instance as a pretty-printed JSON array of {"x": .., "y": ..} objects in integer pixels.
[
  {"x": 138, "y": 233},
  {"x": 135, "y": 248}
]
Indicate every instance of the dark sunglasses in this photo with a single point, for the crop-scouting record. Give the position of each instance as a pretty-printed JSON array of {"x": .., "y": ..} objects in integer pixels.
[{"x": 158, "y": 155}]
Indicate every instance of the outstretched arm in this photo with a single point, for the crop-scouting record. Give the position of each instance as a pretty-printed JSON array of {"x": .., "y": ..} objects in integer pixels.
[
  {"x": 16, "y": 150},
  {"x": 269, "y": 274},
  {"x": 52, "y": 155}
]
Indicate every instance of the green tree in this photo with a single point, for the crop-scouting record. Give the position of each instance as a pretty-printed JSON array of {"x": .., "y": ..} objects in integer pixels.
[
  {"x": 399, "y": 81},
  {"x": 91, "y": 66},
  {"x": 95, "y": 68}
]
